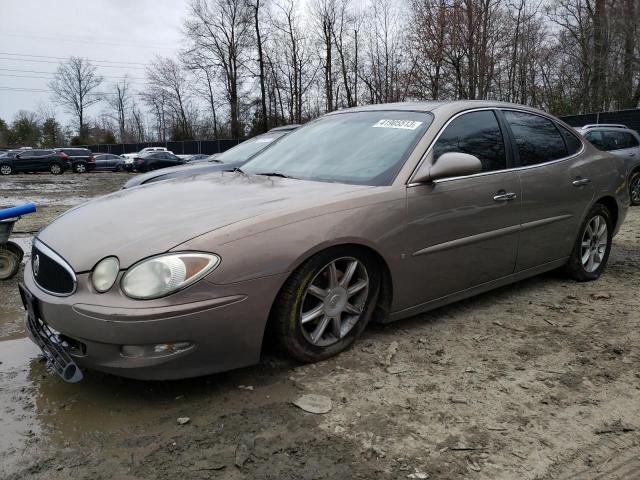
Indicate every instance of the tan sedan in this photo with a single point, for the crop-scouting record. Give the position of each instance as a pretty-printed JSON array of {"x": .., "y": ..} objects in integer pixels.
[{"x": 379, "y": 212}]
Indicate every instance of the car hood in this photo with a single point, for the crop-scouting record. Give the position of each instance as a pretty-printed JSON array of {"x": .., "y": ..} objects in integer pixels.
[
  {"x": 151, "y": 219},
  {"x": 178, "y": 171}
]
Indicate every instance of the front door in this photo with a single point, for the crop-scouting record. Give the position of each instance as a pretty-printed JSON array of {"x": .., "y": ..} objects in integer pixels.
[{"x": 463, "y": 232}]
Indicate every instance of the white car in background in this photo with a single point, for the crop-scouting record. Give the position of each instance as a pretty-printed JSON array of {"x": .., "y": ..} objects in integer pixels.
[{"x": 128, "y": 157}]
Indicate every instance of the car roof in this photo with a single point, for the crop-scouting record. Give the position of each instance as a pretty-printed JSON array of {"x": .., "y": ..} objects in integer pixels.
[{"x": 446, "y": 107}]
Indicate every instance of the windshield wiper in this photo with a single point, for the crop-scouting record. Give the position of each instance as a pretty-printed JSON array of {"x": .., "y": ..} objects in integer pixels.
[
  {"x": 274, "y": 174},
  {"x": 236, "y": 169}
]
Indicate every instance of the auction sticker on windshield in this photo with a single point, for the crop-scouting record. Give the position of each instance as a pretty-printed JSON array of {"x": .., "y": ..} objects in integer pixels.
[{"x": 402, "y": 124}]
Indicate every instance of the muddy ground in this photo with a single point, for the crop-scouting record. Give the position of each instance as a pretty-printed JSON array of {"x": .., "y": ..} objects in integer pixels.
[{"x": 536, "y": 380}]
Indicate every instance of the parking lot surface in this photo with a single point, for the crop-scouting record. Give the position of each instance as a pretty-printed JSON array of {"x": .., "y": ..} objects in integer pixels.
[{"x": 536, "y": 380}]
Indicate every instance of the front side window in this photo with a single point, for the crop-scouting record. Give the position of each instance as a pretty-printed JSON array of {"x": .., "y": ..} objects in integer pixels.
[
  {"x": 475, "y": 133},
  {"x": 361, "y": 148},
  {"x": 537, "y": 138},
  {"x": 598, "y": 140}
]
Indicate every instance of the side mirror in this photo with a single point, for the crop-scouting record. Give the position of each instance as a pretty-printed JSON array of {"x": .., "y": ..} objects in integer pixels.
[
  {"x": 18, "y": 156},
  {"x": 452, "y": 164}
]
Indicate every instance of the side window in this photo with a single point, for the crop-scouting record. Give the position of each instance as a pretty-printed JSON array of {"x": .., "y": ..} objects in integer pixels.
[
  {"x": 611, "y": 140},
  {"x": 597, "y": 139},
  {"x": 623, "y": 140},
  {"x": 573, "y": 143},
  {"x": 475, "y": 133},
  {"x": 537, "y": 138}
]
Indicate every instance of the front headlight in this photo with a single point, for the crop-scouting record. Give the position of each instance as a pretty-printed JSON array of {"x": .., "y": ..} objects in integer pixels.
[
  {"x": 105, "y": 273},
  {"x": 162, "y": 275}
]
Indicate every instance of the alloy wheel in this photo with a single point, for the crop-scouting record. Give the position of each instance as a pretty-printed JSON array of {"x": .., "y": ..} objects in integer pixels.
[
  {"x": 80, "y": 168},
  {"x": 55, "y": 169},
  {"x": 334, "y": 301},
  {"x": 5, "y": 169},
  {"x": 595, "y": 240},
  {"x": 634, "y": 190}
]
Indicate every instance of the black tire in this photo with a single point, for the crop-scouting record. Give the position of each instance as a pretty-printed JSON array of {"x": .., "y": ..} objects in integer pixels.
[
  {"x": 9, "y": 263},
  {"x": 119, "y": 168},
  {"x": 56, "y": 169},
  {"x": 15, "y": 248},
  {"x": 575, "y": 267},
  {"x": 634, "y": 189},
  {"x": 285, "y": 322},
  {"x": 6, "y": 169},
  {"x": 80, "y": 168}
]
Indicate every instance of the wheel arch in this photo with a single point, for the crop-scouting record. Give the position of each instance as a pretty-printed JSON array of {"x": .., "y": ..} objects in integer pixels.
[
  {"x": 385, "y": 297},
  {"x": 612, "y": 205}
]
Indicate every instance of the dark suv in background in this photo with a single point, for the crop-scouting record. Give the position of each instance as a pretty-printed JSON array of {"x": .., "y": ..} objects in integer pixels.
[
  {"x": 155, "y": 160},
  {"x": 81, "y": 160},
  {"x": 34, "y": 160}
]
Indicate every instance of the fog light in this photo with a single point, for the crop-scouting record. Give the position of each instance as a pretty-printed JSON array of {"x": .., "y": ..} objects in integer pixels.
[{"x": 157, "y": 350}]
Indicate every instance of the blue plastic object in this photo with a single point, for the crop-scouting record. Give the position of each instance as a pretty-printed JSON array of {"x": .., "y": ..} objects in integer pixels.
[{"x": 17, "y": 211}]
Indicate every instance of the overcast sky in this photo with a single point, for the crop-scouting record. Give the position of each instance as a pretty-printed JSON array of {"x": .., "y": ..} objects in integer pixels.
[{"x": 120, "y": 36}]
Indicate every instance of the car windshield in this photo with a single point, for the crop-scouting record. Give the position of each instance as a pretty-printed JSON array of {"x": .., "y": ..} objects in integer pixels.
[
  {"x": 248, "y": 148},
  {"x": 364, "y": 148}
]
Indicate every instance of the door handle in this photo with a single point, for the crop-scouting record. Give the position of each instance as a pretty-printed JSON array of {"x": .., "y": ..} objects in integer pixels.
[
  {"x": 503, "y": 196},
  {"x": 631, "y": 154},
  {"x": 581, "y": 182}
]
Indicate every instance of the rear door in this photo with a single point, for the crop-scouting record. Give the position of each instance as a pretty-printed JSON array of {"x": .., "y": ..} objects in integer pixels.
[
  {"x": 30, "y": 161},
  {"x": 463, "y": 231},
  {"x": 626, "y": 146},
  {"x": 556, "y": 187}
]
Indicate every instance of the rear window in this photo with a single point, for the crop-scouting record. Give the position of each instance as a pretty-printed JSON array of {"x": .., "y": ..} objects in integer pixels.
[
  {"x": 573, "y": 142},
  {"x": 537, "y": 138}
]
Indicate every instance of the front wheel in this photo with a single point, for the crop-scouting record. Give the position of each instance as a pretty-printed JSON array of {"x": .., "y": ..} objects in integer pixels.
[
  {"x": 80, "y": 168},
  {"x": 55, "y": 169},
  {"x": 326, "y": 303},
  {"x": 593, "y": 245},
  {"x": 6, "y": 169},
  {"x": 634, "y": 189}
]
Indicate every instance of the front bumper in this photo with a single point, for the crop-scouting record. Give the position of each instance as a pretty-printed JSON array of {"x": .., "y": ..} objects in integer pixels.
[{"x": 225, "y": 325}]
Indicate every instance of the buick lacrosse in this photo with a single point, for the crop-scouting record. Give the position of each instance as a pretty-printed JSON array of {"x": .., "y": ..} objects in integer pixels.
[{"x": 373, "y": 213}]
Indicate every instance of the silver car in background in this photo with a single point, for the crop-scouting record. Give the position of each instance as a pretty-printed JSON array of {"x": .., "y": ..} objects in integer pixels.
[{"x": 622, "y": 142}]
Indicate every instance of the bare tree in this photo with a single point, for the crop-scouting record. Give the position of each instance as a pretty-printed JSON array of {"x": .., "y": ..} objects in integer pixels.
[
  {"x": 166, "y": 75},
  {"x": 120, "y": 100},
  {"x": 75, "y": 87},
  {"x": 219, "y": 30}
]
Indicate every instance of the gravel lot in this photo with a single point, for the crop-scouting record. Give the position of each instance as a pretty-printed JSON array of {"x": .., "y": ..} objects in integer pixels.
[{"x": 537, "y": 380}]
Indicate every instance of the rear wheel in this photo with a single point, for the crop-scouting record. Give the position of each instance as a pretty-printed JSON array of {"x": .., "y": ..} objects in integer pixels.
[
  {"x": 326, "y": 303},
  {"x": 6, "y": 169},
  {"x": 593, "y": 245},
  {"x": 55, "y": 169},
  {"x": 9, "y": 263},
  {"x": 634, "y": 189}
]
